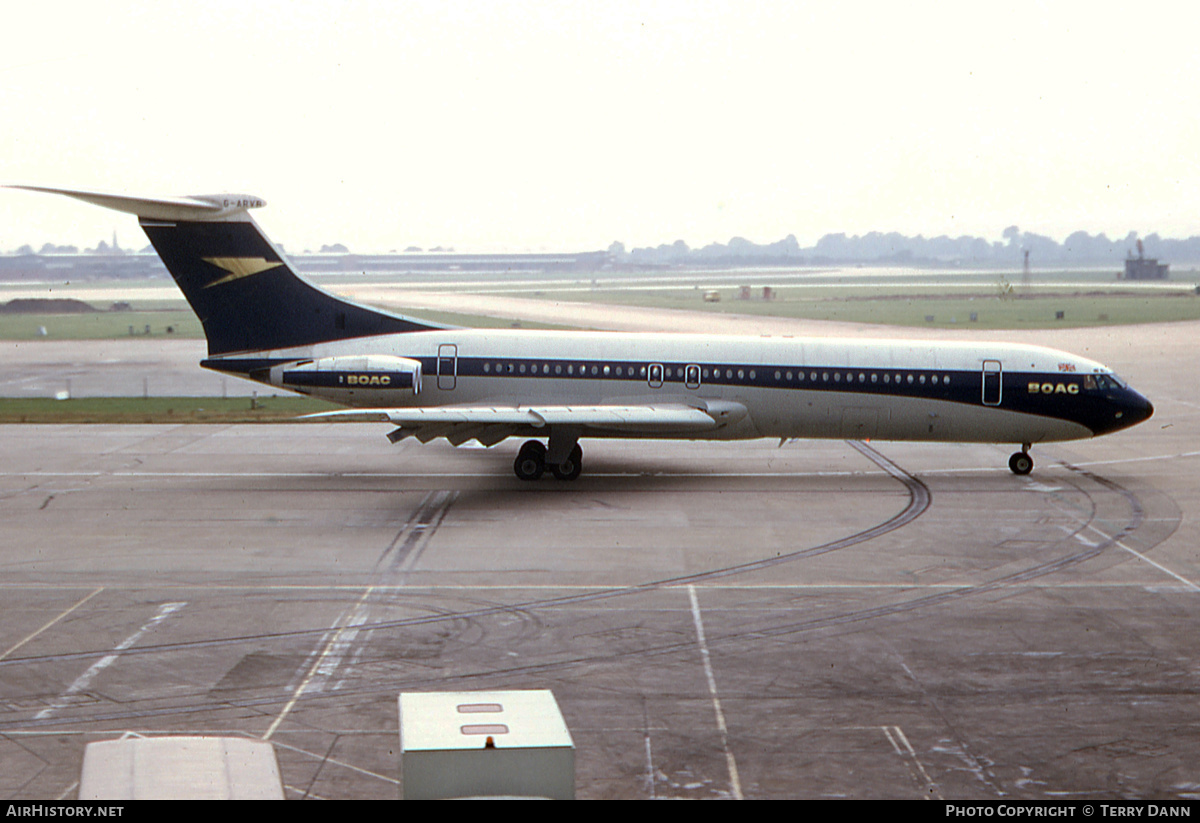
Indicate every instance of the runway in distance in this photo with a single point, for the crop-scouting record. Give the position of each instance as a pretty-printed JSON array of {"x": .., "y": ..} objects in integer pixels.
[{"x": 264, "y": 322}]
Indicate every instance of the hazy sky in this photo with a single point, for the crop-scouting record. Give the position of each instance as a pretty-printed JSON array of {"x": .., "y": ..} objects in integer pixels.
[{"x": 566, "y": 126}]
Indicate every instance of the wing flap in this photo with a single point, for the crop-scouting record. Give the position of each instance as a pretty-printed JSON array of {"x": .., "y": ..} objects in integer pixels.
[
  {"x": 491, "y": 424},
  {"x": 626, "y": 418}
]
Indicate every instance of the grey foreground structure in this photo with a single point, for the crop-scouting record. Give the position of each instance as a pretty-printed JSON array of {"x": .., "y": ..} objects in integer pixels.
[
  {"x": 485, "y": 744},
  {"x": 180, "y": 768}
]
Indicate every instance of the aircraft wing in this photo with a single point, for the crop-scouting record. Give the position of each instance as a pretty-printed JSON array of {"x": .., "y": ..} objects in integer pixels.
[{"x": 491, "y": 424}]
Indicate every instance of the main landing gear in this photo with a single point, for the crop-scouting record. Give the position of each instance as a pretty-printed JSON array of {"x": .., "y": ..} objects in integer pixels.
[
  {"x": 1021, "y": 463},
  {"x": 533, "y": 460}
]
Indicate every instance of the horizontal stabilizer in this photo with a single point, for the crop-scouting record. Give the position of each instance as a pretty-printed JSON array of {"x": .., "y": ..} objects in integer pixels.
[{"x": 196, "y": 207}]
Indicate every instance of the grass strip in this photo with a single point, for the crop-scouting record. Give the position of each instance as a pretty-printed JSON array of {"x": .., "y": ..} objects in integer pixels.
[{"x": 115, "y": 410}]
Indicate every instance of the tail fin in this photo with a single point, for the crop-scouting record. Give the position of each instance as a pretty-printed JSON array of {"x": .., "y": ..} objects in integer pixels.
[{"x": 239, "y": 284}]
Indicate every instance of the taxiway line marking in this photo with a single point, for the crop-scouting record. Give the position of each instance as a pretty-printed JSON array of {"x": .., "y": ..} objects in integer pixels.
[
  {"x": 423, "y": 476},
  {"x": 905, "y": 750},
  {"x": 573, "y": 587},
  {"x": 606, "y": 475},
  {"x": 1139, "y": 459},
  {"x": 734, "y": 781},
  {"x": 649, "y": 763},
  {"x": 1155, "y": 564},
  {"x": 334, "y": 647},
  {"x": 609, "y": 475},
  {"x": 29, "y": 637},
  {"x": 333, "y": 761},
  {"x": 85, "y": 679}
]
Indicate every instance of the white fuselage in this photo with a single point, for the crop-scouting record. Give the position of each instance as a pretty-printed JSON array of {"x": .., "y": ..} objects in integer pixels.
[{"x": 790, "y": 387}]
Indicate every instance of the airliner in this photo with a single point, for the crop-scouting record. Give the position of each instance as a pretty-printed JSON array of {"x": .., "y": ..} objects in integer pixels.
[{"x": 265, "y": 323}]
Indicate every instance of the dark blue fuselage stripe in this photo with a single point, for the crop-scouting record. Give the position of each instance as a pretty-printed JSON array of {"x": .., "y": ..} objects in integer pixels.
[{"x": 1088, "y": 407}]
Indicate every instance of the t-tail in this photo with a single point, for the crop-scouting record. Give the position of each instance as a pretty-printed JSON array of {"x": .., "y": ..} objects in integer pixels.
[{"x": 237, "y": 281}]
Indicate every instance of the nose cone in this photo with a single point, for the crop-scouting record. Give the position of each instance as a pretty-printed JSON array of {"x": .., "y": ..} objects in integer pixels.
[
  {"x": 1131, "y": 409},
  {"x": 1119, "y": 410}
]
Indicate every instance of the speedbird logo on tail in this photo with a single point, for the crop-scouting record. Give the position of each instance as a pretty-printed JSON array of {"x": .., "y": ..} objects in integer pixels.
[{"x": 239, "y": 267}]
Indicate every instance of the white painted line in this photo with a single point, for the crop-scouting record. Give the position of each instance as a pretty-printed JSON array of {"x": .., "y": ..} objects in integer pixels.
[
  {"x": 649, "y": 767},
  {"x": 27, "y": 638},
  {"x": 609, "y": 475},
  {"x": 734, "y": 781},
  {"x": 306, "y": 795},
  {"x": 997, "y": 467},
  {"x": 1190, "y": 585},
  {"x": 85, "y": 679},
  {"x": 905, "y": 750},
  {"x": 345, "y": 629},
  {"x": 325, "y": 759},
  {"x": 399, "y": 475},
  {"x": 597, "y": 587},
  {"x": 1139, "y": 459}
]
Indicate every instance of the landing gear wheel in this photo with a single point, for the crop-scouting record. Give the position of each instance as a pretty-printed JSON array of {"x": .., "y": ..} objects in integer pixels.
[
  {"x": 531, "y": 461},
  {"x": 1021, "y": 463},
  {"x": 570, "y": 468}
]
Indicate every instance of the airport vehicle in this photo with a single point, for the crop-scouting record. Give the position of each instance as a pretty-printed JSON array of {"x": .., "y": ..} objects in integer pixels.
[{"x": 264, "y": 322}]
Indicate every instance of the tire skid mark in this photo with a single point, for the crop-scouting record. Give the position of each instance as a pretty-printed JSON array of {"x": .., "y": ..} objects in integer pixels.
[{"x": 919, "y": 501}]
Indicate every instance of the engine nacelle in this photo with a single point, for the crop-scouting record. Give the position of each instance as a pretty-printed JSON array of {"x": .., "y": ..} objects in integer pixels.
[{"x": 334, "y": 376}]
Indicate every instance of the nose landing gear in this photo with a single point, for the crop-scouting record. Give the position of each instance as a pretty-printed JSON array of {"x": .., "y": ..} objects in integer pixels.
[{"x": 1021, "y": 463}]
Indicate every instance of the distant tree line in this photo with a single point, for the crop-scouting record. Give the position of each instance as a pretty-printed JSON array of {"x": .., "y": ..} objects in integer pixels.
[
  {"x": 884, "y": 248},
  {"x": 873, "y": 248},
  {"x": 101, "y": 248}
]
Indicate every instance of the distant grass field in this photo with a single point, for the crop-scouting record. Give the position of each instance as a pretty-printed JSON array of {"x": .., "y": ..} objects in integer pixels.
[
  {"x": 898, "y": 305},
  {"x": 106, "y": 325},
  {"x": 1084, "y": 298},
  {"x": 114, "y": 410},
  {"x": 101, "y": 325}
]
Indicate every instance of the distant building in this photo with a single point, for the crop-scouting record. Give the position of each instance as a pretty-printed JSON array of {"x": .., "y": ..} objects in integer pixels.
[{"x": 1145, "y": 268}]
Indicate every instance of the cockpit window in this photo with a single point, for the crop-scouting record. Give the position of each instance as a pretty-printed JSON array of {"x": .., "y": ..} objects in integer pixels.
[{"x": 1110, "y": 382}]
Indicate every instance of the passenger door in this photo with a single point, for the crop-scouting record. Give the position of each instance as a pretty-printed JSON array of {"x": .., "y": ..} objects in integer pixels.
[
  {"x": 447, "y": 366},
  {"x": 993, "y": 385}
]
